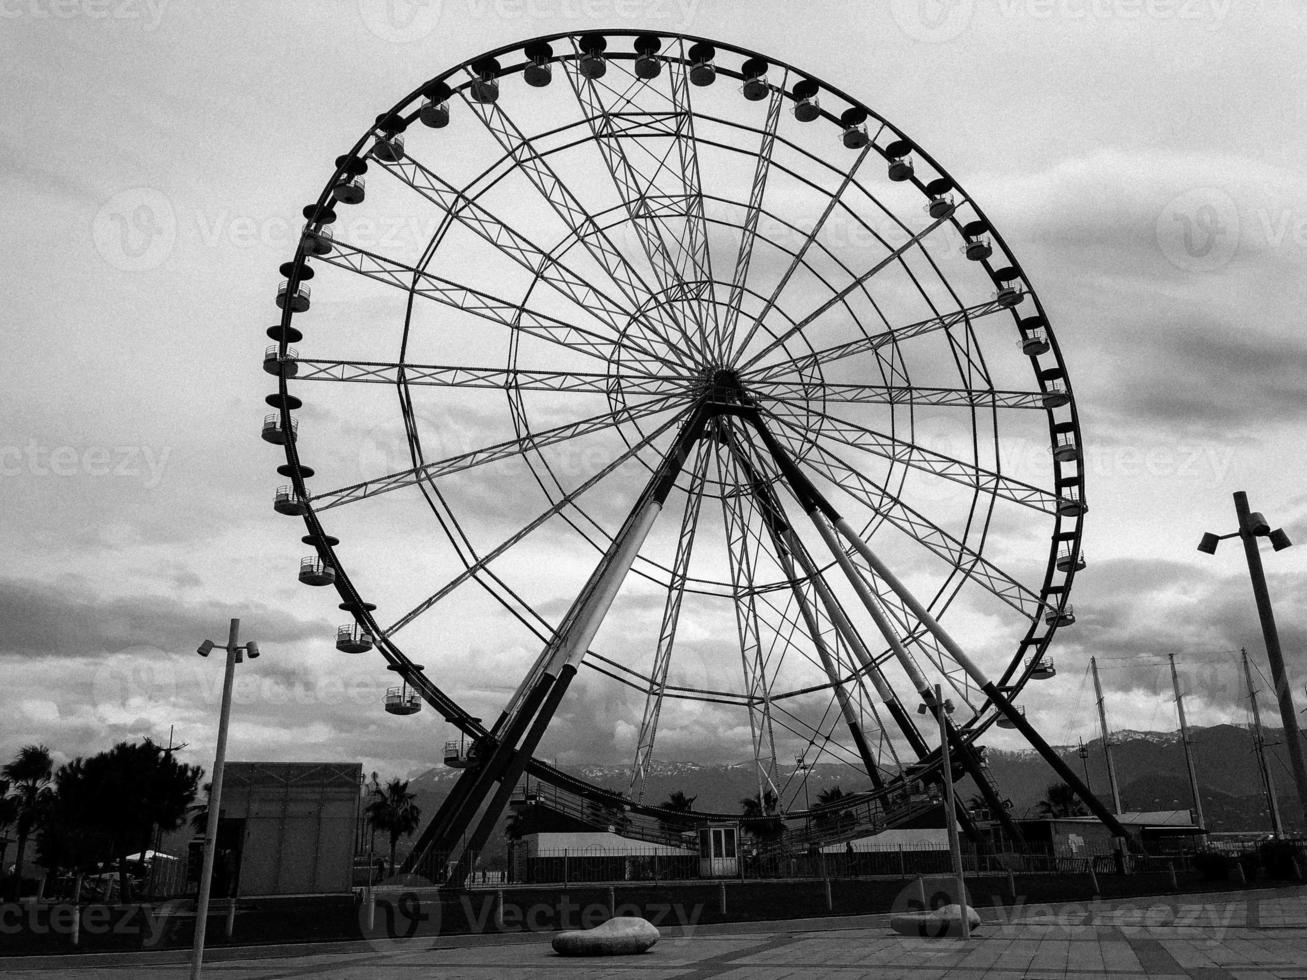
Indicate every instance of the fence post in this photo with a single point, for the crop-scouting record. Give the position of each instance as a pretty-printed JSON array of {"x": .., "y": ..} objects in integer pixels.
[
  {"x": 612, "y": 901},
  {"x": 230, "y": 925},
  {"x": 722, "y": 892},
  {"x": 76, "y": 936},
  {"x": 830, "y": 906},
  {"x": 903, "y": 866},
  {"x": 1012, "y": 884},
  {"x": 370, "y": 906},
  {"x": 499, "y": 910},
  {"x": 565, "y": 866}
]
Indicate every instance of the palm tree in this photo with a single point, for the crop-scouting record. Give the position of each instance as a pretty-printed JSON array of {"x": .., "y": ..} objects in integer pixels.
[
  {"x": 394, "y": 809},
  {"x": 8, "y": 814},
  {"x": 29, "y": 786},
  {"x": 678, "y": 802},
  {"x": 758, "y": 814},
  {"x": 826, "y": 801},
  {"x": 1060, "y": 800}
]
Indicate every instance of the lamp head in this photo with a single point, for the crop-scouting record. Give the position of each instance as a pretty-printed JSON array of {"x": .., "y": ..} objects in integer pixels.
[
  {"x": 1208, "y": 544},
  {"x": 252, "y": 650},
  {"x": 1258, "y": 524},
  {"x": 205, "y": 648},
  {"x": 1280, "y": 540}
]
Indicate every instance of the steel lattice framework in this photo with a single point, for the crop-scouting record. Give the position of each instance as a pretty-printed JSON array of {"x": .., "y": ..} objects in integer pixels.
[{"x": 660, "y": 272}]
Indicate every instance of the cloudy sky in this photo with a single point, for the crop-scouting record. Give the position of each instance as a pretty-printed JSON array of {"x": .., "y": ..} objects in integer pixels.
[{"x": 1143, "y": 158}]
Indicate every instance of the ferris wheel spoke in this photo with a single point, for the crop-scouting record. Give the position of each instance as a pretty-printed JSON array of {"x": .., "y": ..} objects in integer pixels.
[
  {"x": 789, "y": 549},
  {"x": 749, "y": 232},
  {"x": 861, "y": 345},
  {"x": 741, "y": 566},
  {"x": 799, "y": 254},
  {"x": 897, "y": 450},
  {"x": 564, "y": 203},
  {"x": 490, "y": 454},
  {"x": 466, "y": 376},
  {"x": 695, "y": 246},
  {"x": 906, "y": 395},
  {"x": 473, "y": 301},
  {"x": 522, "y": 250},
  {"x": 636, "y": 192},
  {"x": 566, "y": 500},
  {"x": 896, "y": 255},
  {"x": 871, "y": 495},
  {"x": 671, "y": 618}
]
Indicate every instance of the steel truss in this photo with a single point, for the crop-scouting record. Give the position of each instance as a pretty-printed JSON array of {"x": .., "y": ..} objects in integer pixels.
[{"x": 651, "y": 362}]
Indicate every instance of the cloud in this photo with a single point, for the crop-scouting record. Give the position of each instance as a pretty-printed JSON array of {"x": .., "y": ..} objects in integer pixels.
[{"x": 66, "y": 619}]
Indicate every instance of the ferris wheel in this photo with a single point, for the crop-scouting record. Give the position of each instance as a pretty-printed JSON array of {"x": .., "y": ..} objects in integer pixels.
[{"x": 656, "y": 369}]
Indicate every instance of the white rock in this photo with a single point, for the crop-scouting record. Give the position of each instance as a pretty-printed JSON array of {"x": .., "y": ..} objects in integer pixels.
[
  {"x": 944, "y": 921},
  {"x": 619, "y": 936}
]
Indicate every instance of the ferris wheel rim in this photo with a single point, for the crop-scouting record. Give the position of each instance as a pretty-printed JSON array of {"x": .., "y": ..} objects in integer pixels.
[{"x": 292, "y": 451}]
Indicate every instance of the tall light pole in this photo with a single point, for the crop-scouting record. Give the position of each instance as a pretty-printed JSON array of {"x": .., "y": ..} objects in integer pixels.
[
  {"x": 1252, "y": 525},
  {"x": 943, "y": 709},
  {"x": 234, "y": 656}
]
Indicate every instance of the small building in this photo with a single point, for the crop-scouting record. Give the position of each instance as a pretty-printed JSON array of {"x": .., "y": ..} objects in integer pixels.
[
  {"x": 1083, "y": 836},
  {"x": 286, "y": 828}
]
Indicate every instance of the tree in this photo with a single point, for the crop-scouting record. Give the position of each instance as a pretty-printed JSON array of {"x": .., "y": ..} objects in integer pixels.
[
  {"x": 759, "y": 815},
  {"x": 8, "y": 814},
  {"x": 394, "y": 810},
  {"x": 678, "y": 802},
  {"x": 827, "y": 800},
  {"x": 29, "y": 786},
  {"x": 134, "y": 788},
  {"x": 1060, "y": 800},
  {"x": 69, "y": 835}
]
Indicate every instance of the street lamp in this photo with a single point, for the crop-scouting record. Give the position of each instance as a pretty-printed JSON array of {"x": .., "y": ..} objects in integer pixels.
[
  {"x": 235, "y": 654},
  {"x": 1252, "y": 525},
  {"x": 942, "y": 709}
]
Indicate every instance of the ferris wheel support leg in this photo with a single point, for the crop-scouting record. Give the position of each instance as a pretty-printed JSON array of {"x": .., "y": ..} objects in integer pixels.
[
  {"x": 820, "y": 511},
  {"x": 990, "y": 689},
  {"x": 789, "y": 550},
  {"x": 441, "y": 835},
  {"x": 557, "y": 663},
  {"x": 509, "y": 778}
]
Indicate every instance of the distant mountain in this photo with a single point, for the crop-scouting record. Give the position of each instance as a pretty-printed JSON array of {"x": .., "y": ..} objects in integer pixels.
[
  {"x": 1151, "y": 774},
  {"x": 1150, "y": 771}
]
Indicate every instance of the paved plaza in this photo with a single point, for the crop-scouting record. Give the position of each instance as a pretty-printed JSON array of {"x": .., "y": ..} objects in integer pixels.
[{"x": 1255, "y": 935}]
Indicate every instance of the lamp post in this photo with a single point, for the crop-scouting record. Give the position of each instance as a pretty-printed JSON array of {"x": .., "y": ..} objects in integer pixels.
[
  {"x": 801, "y": 765},
  {"x": 1252, "y": 525},
  {"x": 942, "y": 710},
  {"x": 234, "y": 656}
]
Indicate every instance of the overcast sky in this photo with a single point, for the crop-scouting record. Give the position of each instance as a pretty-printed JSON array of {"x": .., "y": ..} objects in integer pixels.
[{"x": 1144, "y": 158}]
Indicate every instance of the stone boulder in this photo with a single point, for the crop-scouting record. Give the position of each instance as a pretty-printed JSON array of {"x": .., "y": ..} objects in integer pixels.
[
  {"x": 944, "y": 921},
  {"x": 619, "y": 936}
]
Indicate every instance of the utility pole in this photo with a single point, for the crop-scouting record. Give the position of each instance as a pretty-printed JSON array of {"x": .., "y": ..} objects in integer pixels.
[
  {"x": 1184, "y": 740},
  {"x": 1107, "y": 738},
  {"x": 1259, "y": 746}
]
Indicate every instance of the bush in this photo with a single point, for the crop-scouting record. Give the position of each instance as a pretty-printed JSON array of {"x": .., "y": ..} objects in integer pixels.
[
  {"x": 1277, "y": 858},
  {"x": 1213, "y": 865}
]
